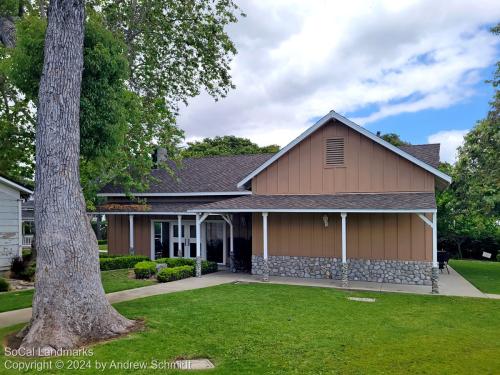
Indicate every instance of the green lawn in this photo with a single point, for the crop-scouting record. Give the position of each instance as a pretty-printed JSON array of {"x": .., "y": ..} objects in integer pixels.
[
  {"x": 113, "y": 281},
  {"x": 483, "y": 275},
  {"x": 279, "y": 329}
]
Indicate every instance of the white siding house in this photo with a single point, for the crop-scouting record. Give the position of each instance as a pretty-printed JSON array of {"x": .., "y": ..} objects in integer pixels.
[{"x": 11, "y": 195}]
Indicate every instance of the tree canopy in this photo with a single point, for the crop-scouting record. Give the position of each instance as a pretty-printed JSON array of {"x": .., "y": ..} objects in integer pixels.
[
  {"x": 226, "y": 145},
  {"x": 142, "y": 59}
]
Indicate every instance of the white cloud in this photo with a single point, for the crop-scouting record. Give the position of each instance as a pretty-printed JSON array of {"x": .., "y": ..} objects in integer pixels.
[
  {"x": 450, "y": 140},
  {"x": 299, "y": 59}
]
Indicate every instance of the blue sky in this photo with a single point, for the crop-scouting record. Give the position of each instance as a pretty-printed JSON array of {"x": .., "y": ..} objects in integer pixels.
[
  {"x": 385, "y": 64},
  {"x": 416, "y": 127}
]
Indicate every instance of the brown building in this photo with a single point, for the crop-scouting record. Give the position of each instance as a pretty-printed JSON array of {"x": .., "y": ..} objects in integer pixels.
[{"x": 337, "y": 202}]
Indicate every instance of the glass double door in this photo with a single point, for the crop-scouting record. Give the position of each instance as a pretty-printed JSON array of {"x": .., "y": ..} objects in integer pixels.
[{"x": 185, "y": 246}]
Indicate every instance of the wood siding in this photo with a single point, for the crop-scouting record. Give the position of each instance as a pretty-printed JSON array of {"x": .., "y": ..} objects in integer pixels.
[
  {"x": 369, "y": 168},
  {"x": 9, "y": 225},
  {"x": 369, "y": 236}
]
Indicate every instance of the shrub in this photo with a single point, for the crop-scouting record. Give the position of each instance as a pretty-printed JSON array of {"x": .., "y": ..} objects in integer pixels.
[
  {"x": 145, "y": 269},
  {"x": 102, "y": 242},
  {"x": 208, "y": 267},
  {"x": 177, "y": 262},
  {"x": 115, "y": 263},
  {"x": 29, "y": 273},
  {"x": 4, "y": 285},
  {"x": 175, "y": 273},
  {"x": 17, "y": 266}
]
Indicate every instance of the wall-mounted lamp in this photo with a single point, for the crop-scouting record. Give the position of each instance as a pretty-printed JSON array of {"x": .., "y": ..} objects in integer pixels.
[{"x": 325, "y": 220}]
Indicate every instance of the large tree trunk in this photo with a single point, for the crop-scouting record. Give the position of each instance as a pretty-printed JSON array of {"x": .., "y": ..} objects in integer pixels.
[{"x": 69, "y": 307}]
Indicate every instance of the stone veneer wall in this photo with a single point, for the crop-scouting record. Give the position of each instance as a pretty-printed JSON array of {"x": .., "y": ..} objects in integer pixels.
[{"x": 387, "y": 271}]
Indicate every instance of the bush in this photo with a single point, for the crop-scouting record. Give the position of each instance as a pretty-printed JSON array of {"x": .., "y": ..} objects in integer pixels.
[
  {"x": 498, "y": 257},
  {"x": 23, "y": 268},
  {"x": 145, "y": 269},
  {"x": 208, "y": 267},
  {"x": 116, "y": 263},
  {"x": 102, "y": 242},
  {"x": 177, "y": 262},
  {"x": 17, "y": 266},
  {"x": 4, "y": 285},
  {"x": 175, "y": 273},
  {"x": 29, "y": 273}
]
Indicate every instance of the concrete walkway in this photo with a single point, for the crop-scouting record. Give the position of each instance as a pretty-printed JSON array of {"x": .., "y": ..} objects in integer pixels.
[{"x": 452, "y": 284}]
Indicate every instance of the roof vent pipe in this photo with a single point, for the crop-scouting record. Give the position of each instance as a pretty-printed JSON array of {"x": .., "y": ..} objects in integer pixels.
[{"x": 160, "y": 156}]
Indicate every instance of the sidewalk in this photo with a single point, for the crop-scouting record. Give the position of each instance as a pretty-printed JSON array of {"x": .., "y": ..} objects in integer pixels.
[{"x": 452, "y": 284}]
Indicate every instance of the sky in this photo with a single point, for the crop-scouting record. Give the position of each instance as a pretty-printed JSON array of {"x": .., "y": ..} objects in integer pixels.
[{"x": 415, "y": 68}]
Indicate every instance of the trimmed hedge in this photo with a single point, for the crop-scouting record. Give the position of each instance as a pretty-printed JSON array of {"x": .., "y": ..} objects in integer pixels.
[
  {"x": 176, "y": 262},
  {"x": 4, "y": 285},
  {"x": 116, "y": 263},
  {"x": 208, "y": 267},
  {"x": 175, "y": 273},
  {"x": 145, "y": 269}
]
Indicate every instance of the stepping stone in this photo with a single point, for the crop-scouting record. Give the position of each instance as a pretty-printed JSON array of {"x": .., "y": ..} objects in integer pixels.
[
  {"x": 361, "y": 299},
  {"x": 194, "y": 364}
]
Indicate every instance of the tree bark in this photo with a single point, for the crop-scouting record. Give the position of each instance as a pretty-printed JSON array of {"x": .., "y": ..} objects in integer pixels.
[
  {"x": 7, "y": 31},
  {"x": 70, "y": 308}
]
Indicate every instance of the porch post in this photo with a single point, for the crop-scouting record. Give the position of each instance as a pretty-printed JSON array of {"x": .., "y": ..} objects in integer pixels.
[
  {"x": 131, "y": 234},
  {"x": 435, "y": 265},
  {"x": 232, "y": 265},
  {"x": 345, "y": 266},
  {"x": 265, "y": 270},
  {"x": 20, "y": 227},
  {"x": 179, "y": 235},
  {"x": 198, "y": 245}
]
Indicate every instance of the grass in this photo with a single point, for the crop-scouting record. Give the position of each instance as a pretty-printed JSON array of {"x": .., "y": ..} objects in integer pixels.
[
  {"x": 482, "y": 274},
  {"x": 113, "y": 281},
  {"x": 279, "y": 329}
]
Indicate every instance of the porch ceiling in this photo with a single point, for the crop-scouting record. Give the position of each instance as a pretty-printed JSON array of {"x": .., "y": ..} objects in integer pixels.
[{"x": 364, "y": 202}]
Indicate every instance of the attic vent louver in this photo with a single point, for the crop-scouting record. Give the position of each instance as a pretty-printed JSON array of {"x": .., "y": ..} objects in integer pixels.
[{"x": 334, "y": 152}]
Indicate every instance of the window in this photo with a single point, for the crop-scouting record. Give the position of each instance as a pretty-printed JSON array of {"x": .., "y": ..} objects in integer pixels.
[{"x": 334, "y": 152}]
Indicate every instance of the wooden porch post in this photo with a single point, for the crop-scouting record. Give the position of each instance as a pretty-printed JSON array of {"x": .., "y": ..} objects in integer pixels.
[
  {"x": 179, "y": 235},
  {"x": 345, "y": 266},
  {"x": 265, "y": 271},
  {"x": 131, "y": 234}
]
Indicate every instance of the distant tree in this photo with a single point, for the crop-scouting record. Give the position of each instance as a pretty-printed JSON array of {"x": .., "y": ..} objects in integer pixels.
[
  {"x": 470, "y": 208},
  {"x": 394, "y": 139},
  {"x": 226, "y": 145}
]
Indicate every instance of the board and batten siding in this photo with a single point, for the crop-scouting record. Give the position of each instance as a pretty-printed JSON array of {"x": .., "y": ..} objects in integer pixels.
[
  {"x": 9, "y": 225},
  {"x": 369, "y": 236},
  {"x": 368, "y": 168}
]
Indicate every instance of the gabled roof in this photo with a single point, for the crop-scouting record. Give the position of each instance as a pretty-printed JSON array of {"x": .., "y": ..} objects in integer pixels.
[
  {"x": 15, "y": 185},
  {"x": 332, "y": 115},
  {"x": 214, "y": 175}
]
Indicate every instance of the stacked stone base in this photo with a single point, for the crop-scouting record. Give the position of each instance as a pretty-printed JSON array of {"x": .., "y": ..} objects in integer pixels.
[{"x": 387, "y": 271}]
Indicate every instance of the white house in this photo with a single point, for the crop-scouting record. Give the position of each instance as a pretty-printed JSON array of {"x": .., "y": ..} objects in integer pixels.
[{"x": 11, "y": 197}]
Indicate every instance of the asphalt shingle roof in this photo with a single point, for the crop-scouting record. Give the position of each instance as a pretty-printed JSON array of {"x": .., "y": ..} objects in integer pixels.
[
  {"x": 208, "y": 174},
  {"x": 428, "y": 153},
  {"x": 370, "y": 201}
]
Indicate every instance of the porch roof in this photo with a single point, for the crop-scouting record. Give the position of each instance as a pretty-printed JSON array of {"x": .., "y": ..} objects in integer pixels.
[
  {"x": 359, "y": 202},
  {"x": 150, "y": 208}
]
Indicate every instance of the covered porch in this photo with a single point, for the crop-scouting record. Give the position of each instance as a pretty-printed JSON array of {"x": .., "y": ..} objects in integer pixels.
[
  {"x": 349, "y": 237},
  {"x": 170, "y": 230}
]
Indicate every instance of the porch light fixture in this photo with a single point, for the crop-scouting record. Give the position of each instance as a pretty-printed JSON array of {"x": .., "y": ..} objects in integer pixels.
[{"x": 325, "y": 220}]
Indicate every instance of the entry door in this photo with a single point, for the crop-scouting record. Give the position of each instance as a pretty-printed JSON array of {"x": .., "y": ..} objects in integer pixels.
[
  {"x": 187, "y": 246},
  {"x": 216, "y": 241}
]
